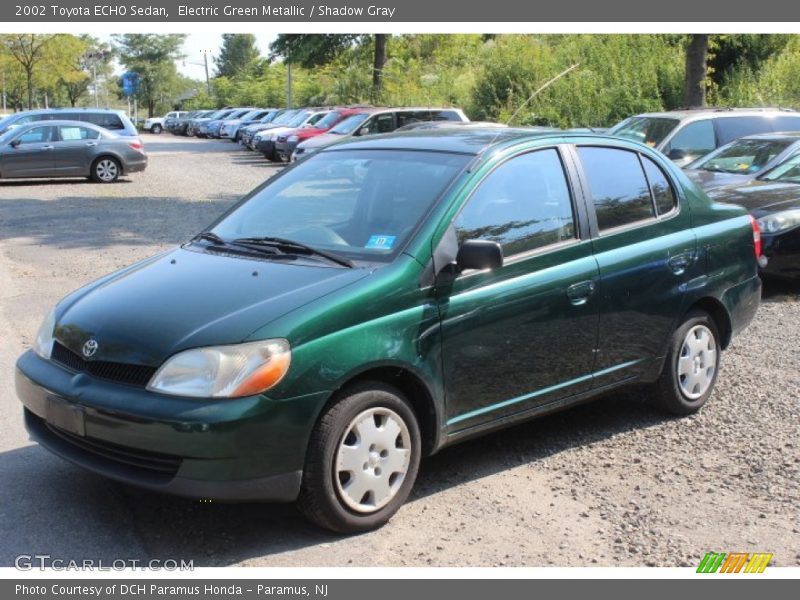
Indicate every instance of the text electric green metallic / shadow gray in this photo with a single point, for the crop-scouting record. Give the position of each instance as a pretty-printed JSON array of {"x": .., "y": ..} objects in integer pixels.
[{"x": 383, "y": 299}]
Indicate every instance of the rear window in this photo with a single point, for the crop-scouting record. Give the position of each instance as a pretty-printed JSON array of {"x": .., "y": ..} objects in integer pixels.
[
  {"x": 106, "y": 120},
  {"x": 786, "y": 123},
  {"x": 732, "y": 128},
  {"x": 445, "y": 115},
  {"x": 618, "y": 186}
]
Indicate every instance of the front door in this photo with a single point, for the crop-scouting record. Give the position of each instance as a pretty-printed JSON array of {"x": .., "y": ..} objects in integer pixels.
[
  {"x": 522, "y": 335},
  {"x": 30, "y": 154}
]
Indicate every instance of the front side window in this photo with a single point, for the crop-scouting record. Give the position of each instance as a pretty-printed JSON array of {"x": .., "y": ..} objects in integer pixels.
[
  {"x": 37, "y": 135},
  {"x": 617, "y": 185},
  {"x": 523, "y": 204},
  {"x": 361, "y": 204},
  {"x": 381, "y": 124},
  {"x": 695, "y": 139},
  {"x": 788, "y": 171}
]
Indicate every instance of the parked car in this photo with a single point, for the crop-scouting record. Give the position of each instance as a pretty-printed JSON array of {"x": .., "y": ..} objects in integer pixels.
[
  {"x": 212, "y": 127},
  {"x": 685, "y": 135},
  {"x": 385, "y": 298},
  {"x": 182, "y": 124},
  {"x": 230, "y": 127},
  {"x": 193, "y": 129},
  {"x": 743, "y": 160},
  {"x": 113, "y": 120},
  {"x": 287, "y": 141},
  {"x": 264, "y": 140},
  {"x": 68, "y": 149},
  {"x": 422, "y": 125},
  {"x": 773, "y": 199},
  {"x": 377, "y": 120},
  {"x": 281, "y": 119},
  {"x": 157, "y": 124}
]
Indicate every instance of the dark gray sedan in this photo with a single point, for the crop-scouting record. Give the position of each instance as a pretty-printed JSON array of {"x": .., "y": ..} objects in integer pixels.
[{"x": 68, "y": 149}]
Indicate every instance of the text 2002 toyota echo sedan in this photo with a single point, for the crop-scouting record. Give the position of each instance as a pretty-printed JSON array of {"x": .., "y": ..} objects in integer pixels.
[{"x": 385, "y": 298}]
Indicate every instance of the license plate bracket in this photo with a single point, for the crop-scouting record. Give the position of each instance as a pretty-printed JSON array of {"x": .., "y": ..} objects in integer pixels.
[{"x": 65, "y": 415}]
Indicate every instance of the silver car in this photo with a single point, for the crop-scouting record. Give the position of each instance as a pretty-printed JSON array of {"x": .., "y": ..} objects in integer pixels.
[{"x": 69, "y": 149}]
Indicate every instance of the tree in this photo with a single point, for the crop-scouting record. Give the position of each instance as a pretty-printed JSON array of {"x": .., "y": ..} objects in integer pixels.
[
  {"x": 29, "y": 50},
  {"x": 238, "y": 54},
  {"x": 153, "y": 57},
  {"x": 314, "y": 50},
  {"x": 694, "y": 89}
]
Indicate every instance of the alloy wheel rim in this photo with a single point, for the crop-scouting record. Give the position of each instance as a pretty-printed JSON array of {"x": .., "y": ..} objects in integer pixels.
[
  {"x": 697, "y": 362},
  {"x": 372, "y": 459},
  {"x": 106, "y": 170}
]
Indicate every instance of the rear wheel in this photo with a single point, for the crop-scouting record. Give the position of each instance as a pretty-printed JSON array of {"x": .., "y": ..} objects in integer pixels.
[
  {"x": 691, "y": 367},
  {"x": 106, "y": 170},
  {"x": 156, "y": 128},
  {"x": 362, "y": 460}
]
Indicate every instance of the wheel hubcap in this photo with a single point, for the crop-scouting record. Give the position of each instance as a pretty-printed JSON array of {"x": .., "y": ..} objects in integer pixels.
[
  {"x": 106, "y": 170},
  {"x": 697, "y": 362},
  {"x": 372, "y": 459}
]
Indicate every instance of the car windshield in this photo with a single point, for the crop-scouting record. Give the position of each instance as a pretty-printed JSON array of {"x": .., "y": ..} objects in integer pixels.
[
  {"x": 788, "y": 171},
  {"x": 361, "y": 204},
  {"x": 252, "y": 114},
  {"x": 286, "y": 117},
  {"x": 299, "y": 119},
  {"x": 269, "y": 117},
  {"x": 328, "y": 120},
  {"x": 350, "y": 124},
  {"x": 647, "y": 130},
  {"x": 742, "y": 156}
]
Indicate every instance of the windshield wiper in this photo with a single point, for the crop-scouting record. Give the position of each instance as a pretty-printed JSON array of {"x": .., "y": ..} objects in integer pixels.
[
  {"x": 212, "y": 237},
  {"x": 290, "y": 246}
]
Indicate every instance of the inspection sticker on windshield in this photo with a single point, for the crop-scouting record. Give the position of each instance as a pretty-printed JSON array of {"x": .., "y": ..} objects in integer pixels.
[{"x": 381, "y": 242}]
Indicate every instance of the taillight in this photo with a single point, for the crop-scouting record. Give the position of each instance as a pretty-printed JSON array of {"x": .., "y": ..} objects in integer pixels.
[
  {"x": 756, "y": 237},
  {"x": 136, "y": 145}
]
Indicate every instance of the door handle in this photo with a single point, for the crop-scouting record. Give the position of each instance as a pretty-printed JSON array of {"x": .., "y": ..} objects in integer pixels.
[
  {"x": 680, "y": 262},
  {"x": 91, "y": 143},
  {"x": 579, "y": 293},
  {"x": 47, "y": 147}
]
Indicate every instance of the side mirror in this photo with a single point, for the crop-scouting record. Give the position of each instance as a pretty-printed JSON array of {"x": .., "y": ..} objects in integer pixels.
[
  {"x": 15, "y": 143},
  {"x": 677, "y": 154},
  {"x": 480, "y": 255},
  {"x": 363, "y": 131}
]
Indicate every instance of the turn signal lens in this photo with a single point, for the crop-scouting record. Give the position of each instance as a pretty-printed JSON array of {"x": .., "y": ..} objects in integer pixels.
[{"x": 756, "y": 237}]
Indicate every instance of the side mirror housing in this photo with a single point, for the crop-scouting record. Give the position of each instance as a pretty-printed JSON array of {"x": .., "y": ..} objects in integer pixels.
[
  {"x": 15, "y": 143},
  {"x": 677, "y": 154},
  {"x": 363, "y": 131},
  {"x": 480, "y": 255}
]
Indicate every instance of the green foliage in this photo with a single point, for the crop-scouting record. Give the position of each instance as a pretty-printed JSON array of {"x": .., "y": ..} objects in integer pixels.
[
  {"x": 238, "y": 54},
  {"x": 311, "y": 50}
]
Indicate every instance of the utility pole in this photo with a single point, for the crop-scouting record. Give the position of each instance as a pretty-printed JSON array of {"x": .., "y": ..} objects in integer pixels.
[
  {"x": 289, "y": 85},
  {"x": 205, "y": 54},
  {"x": 93, "y": 57}
]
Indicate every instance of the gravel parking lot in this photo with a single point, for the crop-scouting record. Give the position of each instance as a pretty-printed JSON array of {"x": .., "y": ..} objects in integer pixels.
[{"x": 610, "y": 483}]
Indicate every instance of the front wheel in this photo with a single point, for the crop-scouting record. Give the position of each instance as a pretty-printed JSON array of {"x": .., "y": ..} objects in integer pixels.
[
  {"x": 691, "y": 367},
  {"x": 105, "y": 170},
  {"x": 156, "y": 128},
  {"x": 362, "y": 461}
]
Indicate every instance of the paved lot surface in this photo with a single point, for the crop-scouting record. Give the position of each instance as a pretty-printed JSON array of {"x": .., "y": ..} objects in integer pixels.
[{"x": 611, "y": 483}]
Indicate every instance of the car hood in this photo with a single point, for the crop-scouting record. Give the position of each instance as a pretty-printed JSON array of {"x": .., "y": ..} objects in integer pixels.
[
  {"x": 320, "y": 141},
  {"x": 760, "y": 196},
  {"x": 187, "y": 299},
  {"x": 709, "y": 180},
  {"x": 277, "y": 130}
]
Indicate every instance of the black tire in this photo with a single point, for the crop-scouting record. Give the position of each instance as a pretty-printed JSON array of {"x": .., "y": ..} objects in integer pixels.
[
  {"x": 320, "y": 498},
  {"x": 106, "y": 169},
  {"x": 156, "y": 128},
  {"x": 668, "y": 392}
]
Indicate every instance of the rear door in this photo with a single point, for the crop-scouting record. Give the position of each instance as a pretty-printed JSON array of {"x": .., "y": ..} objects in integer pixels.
[
  {"x": 33, "y": 156},
  {"x": 646, "y": 252},
  {"x": 75, "y": 148}
]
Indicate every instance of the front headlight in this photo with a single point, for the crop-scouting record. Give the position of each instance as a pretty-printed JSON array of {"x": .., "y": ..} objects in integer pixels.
[
  {"x": 292, "y": 139},
  {"x": 781, "y": 221},
  {"x": 43, "y": 344},
  {"x": 224, "y": 371}
]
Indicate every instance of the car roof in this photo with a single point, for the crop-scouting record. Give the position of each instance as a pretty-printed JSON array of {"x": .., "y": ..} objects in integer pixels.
[
  {"x": 691, "y": 113},
  {"x": 456, "y": 139},
  {"x": 47, "y": 123},
  {"x": 69, "y": 109}
]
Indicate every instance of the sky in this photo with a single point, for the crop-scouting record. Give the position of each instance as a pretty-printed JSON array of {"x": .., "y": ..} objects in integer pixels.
[{"x": 192, "y": 65}]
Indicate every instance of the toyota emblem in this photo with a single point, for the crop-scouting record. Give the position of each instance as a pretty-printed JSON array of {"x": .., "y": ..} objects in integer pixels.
[{"x": 90, "y": 348}]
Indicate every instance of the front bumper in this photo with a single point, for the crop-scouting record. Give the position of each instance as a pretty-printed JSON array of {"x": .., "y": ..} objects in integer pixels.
[
  {"x": 234, "y": 450},
  {"x": 266, "y": 147},
  {"x": 782, "y": 251},
  {"x": 284, "y": 150}
]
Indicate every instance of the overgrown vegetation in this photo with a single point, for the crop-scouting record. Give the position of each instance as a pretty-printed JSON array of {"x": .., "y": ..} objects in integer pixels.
[{"x": 490, "y": 76}]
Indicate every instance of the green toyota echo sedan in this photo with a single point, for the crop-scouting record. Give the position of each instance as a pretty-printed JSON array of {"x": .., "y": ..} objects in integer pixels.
[{"x": 383, "y": 299}]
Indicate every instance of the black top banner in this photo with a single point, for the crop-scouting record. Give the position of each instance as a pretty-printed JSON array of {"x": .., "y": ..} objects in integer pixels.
[{"x": 401, "y": 11}]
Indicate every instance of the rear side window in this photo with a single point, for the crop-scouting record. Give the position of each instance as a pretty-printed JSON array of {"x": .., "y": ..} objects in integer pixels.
[
  {"x": 445, "y": 115},
  {"x": 617, "y": 185},
  {"x": 406, "y": 118},
  {"x": 523, "y": 204},
  {"x": 732, "y": 128},
  {"x": 695, "y": 139},
  {"x": 106, "y": 120},
  {"x": 662, "y": 191},
  {"x": 71, "y": 133},
  {"x": 786, "y": 123}
]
